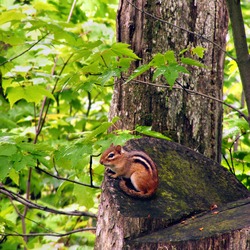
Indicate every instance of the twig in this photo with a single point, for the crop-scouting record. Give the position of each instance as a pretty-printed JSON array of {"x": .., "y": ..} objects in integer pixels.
[
  {"x": 66, "y": 179},
  {"x": 25, "y": 51},
  {"x": 42, "y": 117},
  {"x": 30, "y": 204},
  {"x": 71, "y": 11},
  {"x": 193, "y": 92},
  {"x": 50, "y": 234},
  {"x": 181, "y": 28},
  {"x": 229, "y": 166},
  {"x": 90, "y": 169}
]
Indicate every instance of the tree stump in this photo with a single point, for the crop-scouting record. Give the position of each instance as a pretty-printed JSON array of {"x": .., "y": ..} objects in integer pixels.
[{"x": 198, "y": 205}]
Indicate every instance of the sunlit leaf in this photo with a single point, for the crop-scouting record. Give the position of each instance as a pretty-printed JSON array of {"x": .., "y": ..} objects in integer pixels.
[
  {"x": 146, "y": 130},
  {"x": 5, "y": 167},
  {"x": 11, "y": 15},
  {"x": 247, "y": 157},
  {"x": 192, "y": 62},
  {"x": 7, "y": 149},
  {"x": 122, "y": 49},
  {"x": 138, "y": 71},
  {"x": 85, "y": 195},
  {"x": 170, "y": 57},
  {"x": 199, "y": 51},
  {"x": 29, "y": 93},
  {"x": 14, "y": 176}
]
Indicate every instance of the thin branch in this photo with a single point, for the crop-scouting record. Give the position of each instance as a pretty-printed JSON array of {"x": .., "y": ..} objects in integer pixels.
[
  {"x": 90, "y": 169},
  {"x": 71, "y": 10},
  {"x": 42, "y": 117},
  {"x": 30, "y": 204},
  {"x": 66, "y": 179},
  {"x": 50, "y": 234},
  {"x": 194, "y": 93},
  {"x": 15, "y": 207},
  {"x": 228, "y": 164},
  {"x": 231, "y": 160},
  {"x": 25, "y": 51},
  {"x": 231, "y": 150},
  {"x": 181, "y": 28}
]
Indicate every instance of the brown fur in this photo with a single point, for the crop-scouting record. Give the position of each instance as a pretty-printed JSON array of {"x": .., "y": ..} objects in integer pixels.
[{"x": 136, "y": 166}]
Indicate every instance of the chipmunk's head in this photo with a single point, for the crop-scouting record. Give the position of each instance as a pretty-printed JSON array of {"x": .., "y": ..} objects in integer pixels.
[{"x": 111, "y": 156}]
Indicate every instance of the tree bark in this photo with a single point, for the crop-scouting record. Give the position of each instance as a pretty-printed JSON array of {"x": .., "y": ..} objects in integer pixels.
[
  {"x": 191, "y": 120},
  {"x": 182, "y": 215},
  {"x": 226, "y": 228}
]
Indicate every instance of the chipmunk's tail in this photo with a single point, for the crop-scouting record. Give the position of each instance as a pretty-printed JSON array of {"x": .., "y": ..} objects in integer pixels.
[{"x": 134, "y": 193}]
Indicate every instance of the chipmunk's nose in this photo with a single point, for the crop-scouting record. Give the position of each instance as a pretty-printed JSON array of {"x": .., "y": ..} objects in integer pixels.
[{"x": 101, "y": 161}]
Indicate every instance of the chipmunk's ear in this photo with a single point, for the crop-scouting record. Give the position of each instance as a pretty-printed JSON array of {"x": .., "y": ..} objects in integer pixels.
[
  {"x": 111, "y": 145},
  {"x": 118, "y": 148}
]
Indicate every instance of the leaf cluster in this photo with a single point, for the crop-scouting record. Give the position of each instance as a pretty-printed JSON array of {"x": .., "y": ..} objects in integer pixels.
[
  {"x": 169, "y": 65},
  {"x": 57, "y": 71}
]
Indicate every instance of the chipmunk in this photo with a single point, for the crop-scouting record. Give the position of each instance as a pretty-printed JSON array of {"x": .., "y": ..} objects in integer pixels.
[{"x": 134, "y": 165}]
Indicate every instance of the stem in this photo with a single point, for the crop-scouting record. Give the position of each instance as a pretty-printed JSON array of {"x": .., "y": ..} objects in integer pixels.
[
  {"x": 66, "y": 179},
  {"x": 26, "y": 202},
  {"x": 71, "y": 10},
  {"x": 25, "y": 51},
  {"x": 194, "y": 93},
  {"x": 181, "y": 28},
  {"x": 42, "y": 116},
  {"x": 51, "y": 234}
]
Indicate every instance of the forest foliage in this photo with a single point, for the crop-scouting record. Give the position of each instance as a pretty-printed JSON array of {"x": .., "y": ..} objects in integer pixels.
[{"x": 58, "y": 62}]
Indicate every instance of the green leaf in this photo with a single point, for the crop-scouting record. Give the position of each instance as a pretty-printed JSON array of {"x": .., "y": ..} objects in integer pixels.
[
  {"x": 4, "y": 167},
  {"x": 158, "y": 60},
  {"x": 231, "y": 132},
  {"x": 192, "y": 62},
  {"x": 99, "y": 130},
  {"x": 29, "y": 93},
  {"x": 146, "y": 130},
  {"x": 115, "y": 119},
  {"x": 14, "y": 176},
  {"x": 25, "y": 161},
  {"x": 170, "y": 72},
  {"x": 11, "y": 15},
  {"x": 122, "y": 49},
  {"x": 39, "y": 5},
  {"x": 5, "y": 122},
  {"x": 247, "y": 157},
  {"x": 107, "y": 75},
  {"x": 160, "y": 71},
  {"x": 60, "y": 191},
  {"x": 170, "y": 57},
  {"x": 235, "y": 127},
  {"x": 85, "y": 195},
  {"x": 124, "y": 63},
  {"x": 93, "y": 68},
  {"x": 199, "y": 51},
  {"x": 7, "y": 149},
  {"x": 183, "y": 51},
  {"x": 141, "y": 69}
]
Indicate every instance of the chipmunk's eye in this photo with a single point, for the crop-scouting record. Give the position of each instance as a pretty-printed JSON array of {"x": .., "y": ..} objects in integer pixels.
[{"x": 111, "y": 155}]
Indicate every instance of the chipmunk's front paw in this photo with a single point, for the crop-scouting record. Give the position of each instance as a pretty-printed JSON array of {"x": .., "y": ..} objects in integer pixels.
[{"x": 111, "y": 173}]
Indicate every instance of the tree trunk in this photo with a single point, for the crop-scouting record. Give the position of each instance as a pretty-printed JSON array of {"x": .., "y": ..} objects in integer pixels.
[
  {"x": 191, "y": 120},
  {"x": 198, "y": 205}
]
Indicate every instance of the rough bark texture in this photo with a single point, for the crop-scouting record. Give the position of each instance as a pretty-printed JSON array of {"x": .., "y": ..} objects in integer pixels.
[
  {"x": 191, "y": 120},
  {"x": 213, "y": 230},
  {"x": 189, "y": 185}
]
